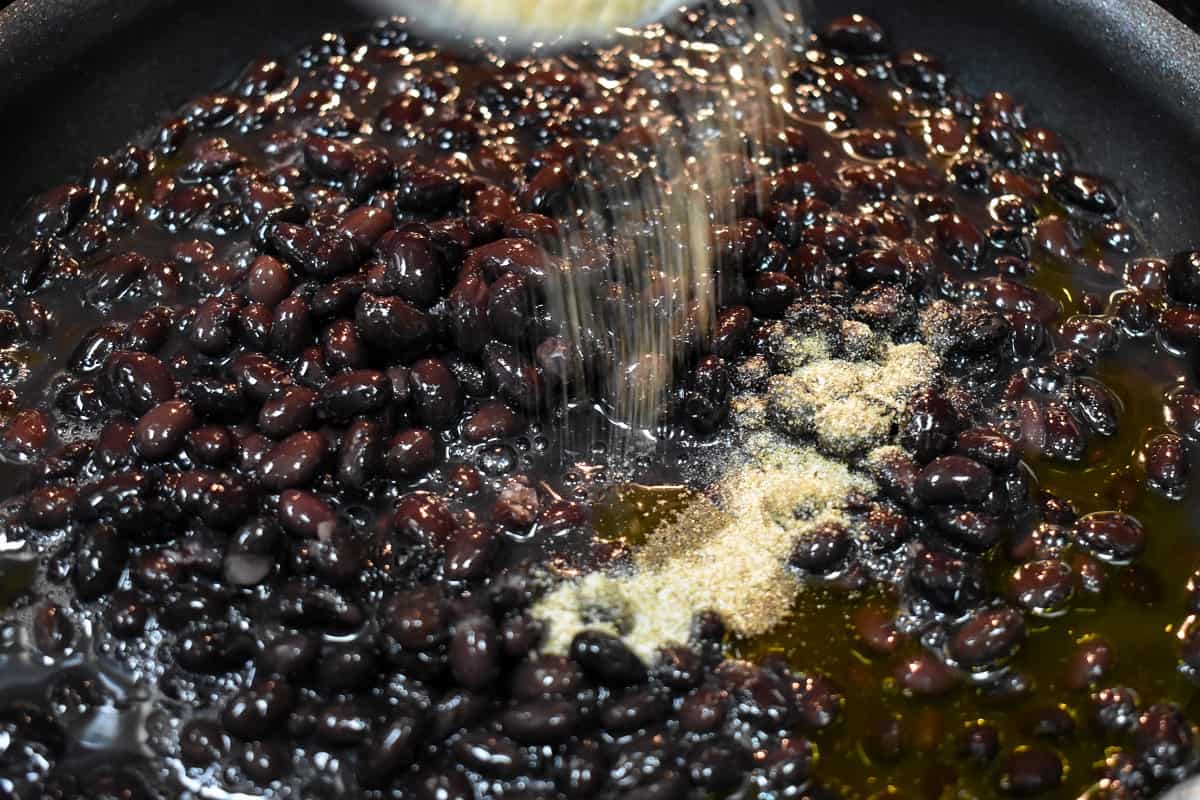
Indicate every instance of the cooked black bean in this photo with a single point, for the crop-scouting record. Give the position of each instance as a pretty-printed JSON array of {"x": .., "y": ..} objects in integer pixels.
[
  {"x": 1111, "y": 535},
  {"x": 540, "y": 721},
  {"x": 53, "y": 631},
  {"x": 1167, "y": 465},
  {"x": 292, "y": 462},
  {"x": 1182, "y": 414},
  {"x": 1087, "y": 192},
  {"x": 971, "y": 530},
  {"x": 1043, "y": 587},
  {"x": 954, "y": 479},
  {"x": 1099, "y": 407},
  {"x": 951, "y": 584},
  {"x": 410, "y": 453},
  {"x": 391, "y": 323},
  {"x": 1029, "y": 771},
  {"x": 821, "y": 549},
  {"x": 202, "y": 742},
  {"x": 136, "y": 382},
  {"x": 161, "y": 430},
  {"x": 988, "y": 638},
  {"x": 607, "y": 659}
]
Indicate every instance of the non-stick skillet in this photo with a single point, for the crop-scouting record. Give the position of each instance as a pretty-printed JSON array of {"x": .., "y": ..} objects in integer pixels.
[
  {"x": 1123, "y": 78},
  {"x": 78, "y": 77}
]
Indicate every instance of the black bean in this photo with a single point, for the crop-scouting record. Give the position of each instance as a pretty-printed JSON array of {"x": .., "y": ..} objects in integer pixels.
[
  {"x": 360, "y": 455},
  {"x": 95, "y": 347},
  {"x": 265, "y": 761},
  {"x": 988, "y": 447},
  {"x": 954, "y": 479},
  {"x": 53, "y": 632},
  {"x": 513, "y": 375},
  {"x": 821, "y": 549},
  {"x": 1065, "y": 438},
  {"x": 114, "y": 277},
  {"x": 160, "y": 431},
  {"x": 292, "y": 462},
  {"x": 201, "y": 743},
  {"x": 1180, "y": 327},
  {"x": 950, "y": 584},
  {"x": 960, "y": 240},
  {"x": 127, "y": 615},
  {"x": 268, "y": 281},
  {"x": 633, "y": 710},
  {"x": 1088, "y": 663},
  {"x": 80, "y": 399},
  {"x": 426, "y": 190},
  {"x": 929, "y": 425},
  {"x": 258, "y": 710},
  {"x": 469, "y": 552},
  {"x": 1097, "y": 404},
  {"x": 394, "y": 748},
  {"x": 291, "y": 326},
  {"x": 417, "y": 618},
  {"x": 288, "y": 411},
  {"x": 493, "y": 420},
  {"x": 392, "y": 324},
  {"x": 1111, "y": 535},
  {"x": 289, "y": 656},
  {"x": 410, "y": 453},
  {"x": 1086, "y": 192},
  {"x": 473, "y": 651},
  {"x": 1163, "y": 739},
  {"x": 213, "y": 329},
  {"x": 1183, "y": 277},
  {"x": 1182, "y": 414},
  {"x": 470, "y": 322},
  {"x": 213, "y": 398},
  {"x": 410, "y": 267},
  {"x": 1167, "y": 465},
  {"x": 979, "y": 743},
  {"x": 971, "y": 530},
  {"x": 49, "y": 507},
  {"x": 149, "y": 331},
  {"x": 988, "y": 639},
  {"x": 1043, "y": 587},
  {"x": 1116, "y": 708},
  {"x": 1030, "y": 771},
  {"x": 136, "y": 382},
  {"x": 27, "y": 436},
  {"x": 707, "y": 396},
  {"x": 214, "y": 650},
  {"x": 353, "y": 393},
  {"x": 607, "y": 659},
  {"x": 540, "y": 721},
  {"x": 490, "y": 755}
]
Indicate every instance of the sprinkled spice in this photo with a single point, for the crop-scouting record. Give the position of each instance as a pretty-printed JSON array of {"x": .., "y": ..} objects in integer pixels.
[{"x": 790, "y": 475}]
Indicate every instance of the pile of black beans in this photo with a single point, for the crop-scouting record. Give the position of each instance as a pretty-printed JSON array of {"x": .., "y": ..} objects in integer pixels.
[{"x": 282, "y": 397}]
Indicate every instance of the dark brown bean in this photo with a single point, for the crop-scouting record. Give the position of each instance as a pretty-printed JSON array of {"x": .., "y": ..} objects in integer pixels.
[
  {"x": 410, "y": 453},
  {"x": 1111, "y": 535},
  {"x": 293, "y": 462},
  {"x": 988, "y": 639}
]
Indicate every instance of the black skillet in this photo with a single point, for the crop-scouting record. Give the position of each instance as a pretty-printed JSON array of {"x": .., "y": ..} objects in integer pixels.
[{"x": 1120, "y": 77}]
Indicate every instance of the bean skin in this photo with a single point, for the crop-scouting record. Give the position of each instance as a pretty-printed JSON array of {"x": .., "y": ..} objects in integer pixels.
[
  {"x": 161, "y": 430},
  {"x": 1111, "y": 535},
  {"x": 950, "y": 479},
  {"x": 293, "y": 462}
]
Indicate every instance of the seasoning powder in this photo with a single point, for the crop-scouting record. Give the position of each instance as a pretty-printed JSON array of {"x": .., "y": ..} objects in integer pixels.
[{"x": 794, "y": 469}]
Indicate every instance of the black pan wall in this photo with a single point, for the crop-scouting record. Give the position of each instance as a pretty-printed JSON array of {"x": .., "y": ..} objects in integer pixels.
[{"x": 1120, "y": 77}]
